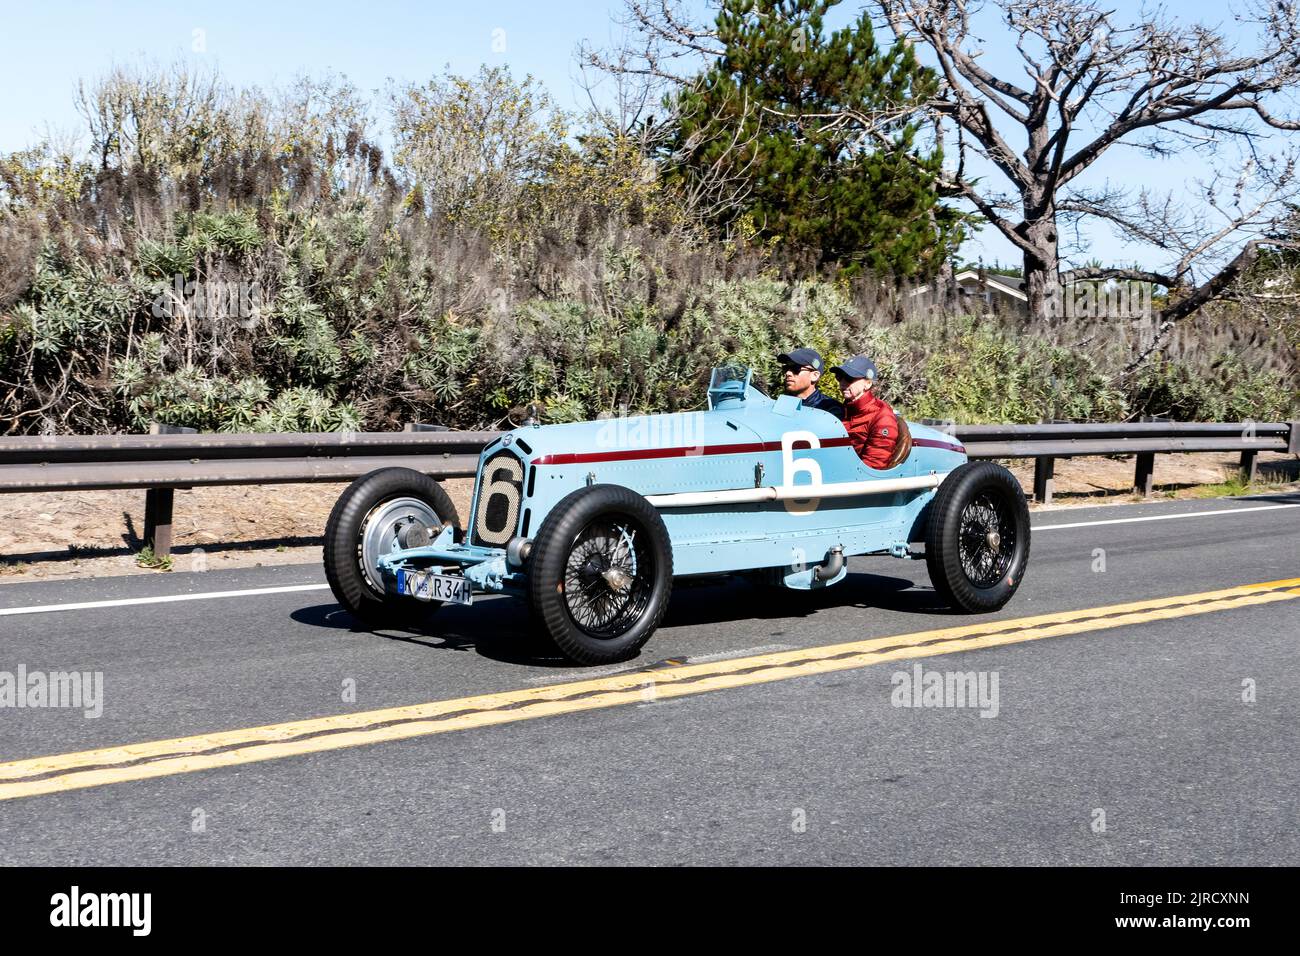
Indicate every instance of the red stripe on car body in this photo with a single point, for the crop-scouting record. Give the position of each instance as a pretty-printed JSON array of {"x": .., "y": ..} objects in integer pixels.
[
  {"x": 683, "y": 451},
  {"x": 932, "y": 443}
]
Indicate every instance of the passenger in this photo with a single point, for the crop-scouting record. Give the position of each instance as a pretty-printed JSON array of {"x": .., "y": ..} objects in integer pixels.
[
  {"x": 870, "y": 422},
  {"x": 803, "y": 369}
]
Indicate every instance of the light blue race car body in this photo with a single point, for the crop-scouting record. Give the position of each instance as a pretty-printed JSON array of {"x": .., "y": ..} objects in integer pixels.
[{"x": 724, "y": 481}]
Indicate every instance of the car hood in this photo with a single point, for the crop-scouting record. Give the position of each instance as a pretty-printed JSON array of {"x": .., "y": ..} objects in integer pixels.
[{"x": 676, "y": 434}]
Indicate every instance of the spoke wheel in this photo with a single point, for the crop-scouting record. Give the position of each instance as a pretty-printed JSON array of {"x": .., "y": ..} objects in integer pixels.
[
  {"x": 977, "y": 537},
  {"x": 609, "y": 577},
  {"x": 987, "y": 539},
  {"x": 600, "y": 573}
]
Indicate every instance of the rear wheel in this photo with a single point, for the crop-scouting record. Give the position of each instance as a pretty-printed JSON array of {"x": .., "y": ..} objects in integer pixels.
[
  {"x": 600, "y": 573},
  {"x": 380, "y": 512},
  {"x": 977, "y": 538}
]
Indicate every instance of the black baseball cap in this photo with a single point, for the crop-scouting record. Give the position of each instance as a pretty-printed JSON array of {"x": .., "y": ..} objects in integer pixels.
[
  {"x": 810, "y": 357},
  {"x": 857, "y": 367}
]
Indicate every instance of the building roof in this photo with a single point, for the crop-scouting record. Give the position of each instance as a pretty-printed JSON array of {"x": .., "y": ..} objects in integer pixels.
[{"x": 1007, "y": 285}]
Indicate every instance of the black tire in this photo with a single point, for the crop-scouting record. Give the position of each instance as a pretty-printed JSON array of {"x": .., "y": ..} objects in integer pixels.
[
  {"x": 345, "y": 569},
  {"x": 970, "y": 569},
  {"x": 592, "y": 619}
]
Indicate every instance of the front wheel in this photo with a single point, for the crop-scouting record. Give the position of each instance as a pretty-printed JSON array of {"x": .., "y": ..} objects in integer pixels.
[
  {"x": 977, "y": 537},
  {"x": 600, "y": 573},
  {"x": 380, "y": 512}
]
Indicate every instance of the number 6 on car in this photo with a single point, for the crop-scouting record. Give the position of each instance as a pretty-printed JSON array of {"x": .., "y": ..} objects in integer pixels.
[
  {"x": 791, "y": 466},
  {"x": 592, "y": 535}
]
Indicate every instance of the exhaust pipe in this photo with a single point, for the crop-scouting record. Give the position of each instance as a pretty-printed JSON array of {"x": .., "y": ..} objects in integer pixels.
[{"x": 830, "y": 568}]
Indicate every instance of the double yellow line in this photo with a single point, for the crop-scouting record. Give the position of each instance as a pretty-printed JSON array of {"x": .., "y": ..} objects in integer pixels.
[{"x": 160, "y": 758}]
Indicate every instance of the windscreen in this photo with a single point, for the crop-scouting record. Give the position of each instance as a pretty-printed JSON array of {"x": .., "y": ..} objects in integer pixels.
[{"x": 728, "y": 382}]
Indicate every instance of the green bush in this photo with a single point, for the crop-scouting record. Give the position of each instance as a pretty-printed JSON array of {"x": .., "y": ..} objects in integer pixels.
[{"x": 1227, "y": 390}]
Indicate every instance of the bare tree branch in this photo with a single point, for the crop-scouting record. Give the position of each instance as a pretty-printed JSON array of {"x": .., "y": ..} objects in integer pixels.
[
  {"x": 1133, "y": 275},
  {"x": 1156, "y": 83}
]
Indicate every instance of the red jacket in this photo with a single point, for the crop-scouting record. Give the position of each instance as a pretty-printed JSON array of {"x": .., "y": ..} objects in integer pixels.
[{"x": 873, "y": 429}]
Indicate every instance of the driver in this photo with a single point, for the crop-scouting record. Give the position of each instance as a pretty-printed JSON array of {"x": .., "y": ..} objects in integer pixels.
[
  {"x": 870, "y": 422},
  {"x": 803, "y": 368}
]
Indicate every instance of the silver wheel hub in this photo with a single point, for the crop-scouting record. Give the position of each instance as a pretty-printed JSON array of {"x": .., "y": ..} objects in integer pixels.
[
  {"x": 389, "y": 526},
  {"x": 995, "y": 541}
]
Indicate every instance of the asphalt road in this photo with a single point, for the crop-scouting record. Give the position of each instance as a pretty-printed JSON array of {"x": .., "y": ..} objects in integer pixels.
[{"x": 1141, "y": 726}]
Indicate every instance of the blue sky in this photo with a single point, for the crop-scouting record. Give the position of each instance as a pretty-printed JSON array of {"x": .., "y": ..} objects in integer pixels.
[{"x": 51, "y": 46}]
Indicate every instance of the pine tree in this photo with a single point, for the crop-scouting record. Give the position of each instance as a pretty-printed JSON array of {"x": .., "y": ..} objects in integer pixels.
[{"x": 758, "y": 120}]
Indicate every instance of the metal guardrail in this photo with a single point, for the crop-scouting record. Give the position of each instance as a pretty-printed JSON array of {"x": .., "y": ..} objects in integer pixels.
[
  {"x": 1048, "y": 442},
  {"x": 170, "y": 458}
]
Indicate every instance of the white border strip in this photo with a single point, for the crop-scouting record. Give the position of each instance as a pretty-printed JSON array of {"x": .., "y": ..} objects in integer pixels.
[
  {"x": 162, "y": 599},
  {"x": 1186, "y": 514}
]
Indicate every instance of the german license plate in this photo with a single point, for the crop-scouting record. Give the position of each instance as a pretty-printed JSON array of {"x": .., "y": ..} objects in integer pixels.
[{"x": 430, "y": 586}]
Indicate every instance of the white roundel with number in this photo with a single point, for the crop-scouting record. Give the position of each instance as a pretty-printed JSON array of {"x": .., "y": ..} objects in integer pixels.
[
  {"x": 496, "y": 512},
  {"x": 791, "y": 466}
]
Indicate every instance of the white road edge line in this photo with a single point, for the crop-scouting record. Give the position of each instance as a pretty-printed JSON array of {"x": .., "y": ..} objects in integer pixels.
[
  {"x": 162, "y": 599},
  {"x": 1187, "y": 514},
  {"x": 288, "y": 589}
]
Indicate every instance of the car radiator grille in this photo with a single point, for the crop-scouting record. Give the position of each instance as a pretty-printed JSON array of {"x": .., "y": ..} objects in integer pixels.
[{"x": 500, "y": 494}]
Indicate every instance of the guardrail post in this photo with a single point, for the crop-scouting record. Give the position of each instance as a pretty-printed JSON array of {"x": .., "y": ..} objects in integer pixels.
[
  {"x": 158, "y": 501},
  {"x": 1293, "y": 440},
  {"x": 1248, "y": 474},
  {"x": 1142, "y": 477},
  {"x": 1044, "y": 479},
  {"x": 158, "y": 520}
]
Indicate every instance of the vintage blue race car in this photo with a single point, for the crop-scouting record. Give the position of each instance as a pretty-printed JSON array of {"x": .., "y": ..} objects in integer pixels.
[{"x": 591, "y": 521}]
